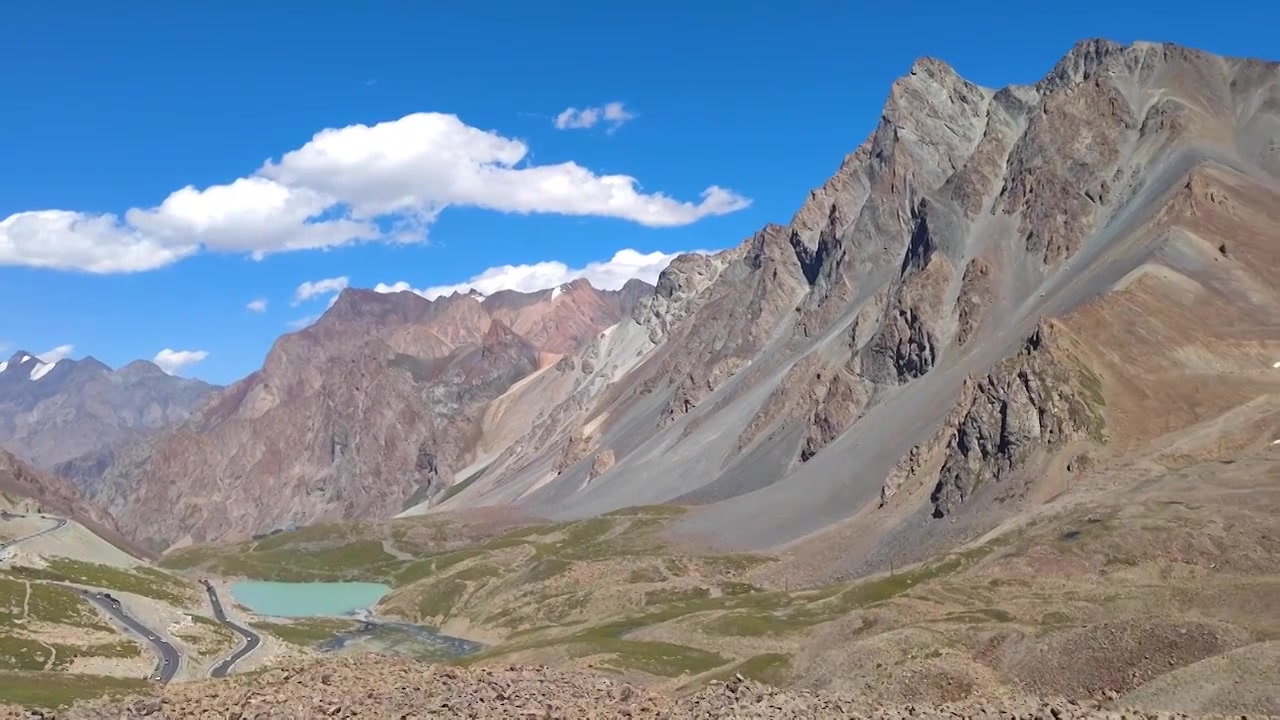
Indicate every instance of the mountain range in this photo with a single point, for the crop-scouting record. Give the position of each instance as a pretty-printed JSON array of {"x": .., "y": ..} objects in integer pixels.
[
  {"x": 996, "y": 290},
  {"x": 369, "y": 410},
  {"x": 989, "y": 426},
  {"x": 71, "y": 416}
]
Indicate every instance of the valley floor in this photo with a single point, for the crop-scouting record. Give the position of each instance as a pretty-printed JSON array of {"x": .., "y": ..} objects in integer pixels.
[{"x": 1154, "y": 586}]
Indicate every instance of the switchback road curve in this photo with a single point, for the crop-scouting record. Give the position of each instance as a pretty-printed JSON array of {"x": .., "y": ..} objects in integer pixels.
[
  {"x": 58, "y": 525},
  {"x": 251, "y": 639},
  {"x": 169, "y": 657}
]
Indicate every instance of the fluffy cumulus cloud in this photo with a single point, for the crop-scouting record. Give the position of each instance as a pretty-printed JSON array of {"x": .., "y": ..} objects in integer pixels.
[
  {"x": 609, "y": 274},
  {"x": 320, "y": 288},
  {"x": 258, "y": 305},
  {"x": 385, "y": 182},
  {"x": 171, "y": 361},
  {"x": 62, "y": 352},
  {"x": 613, "y": 114}
]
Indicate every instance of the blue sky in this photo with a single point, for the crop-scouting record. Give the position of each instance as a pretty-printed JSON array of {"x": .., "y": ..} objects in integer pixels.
[{"x": 109, "y": 111}]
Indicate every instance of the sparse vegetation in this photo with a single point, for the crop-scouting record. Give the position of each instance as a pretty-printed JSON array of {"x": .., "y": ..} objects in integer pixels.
[
  {"x": 766, "y": 668},
  {"x": 532, "y": 576},
  {"x": 208, "y": 637},
  {"x": 28, "y": 653},
  {"x": 289, "y": 557},
  {"x": 22, "y": 653},
  {"x": 145, "y": 581},
  {"x": 305, "y": 633},
  {"x": 656, "y": 658},
  {"x": 57, "y": 690},
  {"x": 704, "y": 616},
  {"x": 23, "y": 601}
]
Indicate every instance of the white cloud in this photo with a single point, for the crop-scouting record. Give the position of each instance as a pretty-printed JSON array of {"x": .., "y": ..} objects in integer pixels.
[
  {"x": 62, "y": 352},
  {"x": 259, "y": 305},
  {"x": 171, "y": 361},
  {"x": 317, "y": 288},
  {"x": 64, "y": 240},
  {"x": 610, "y": 274},
  {"x": 252, "y": 215},
  {"x": 386, "y": 182},
  {"x": 413, "y": 168},
  {"x": 614, "y": 113}
]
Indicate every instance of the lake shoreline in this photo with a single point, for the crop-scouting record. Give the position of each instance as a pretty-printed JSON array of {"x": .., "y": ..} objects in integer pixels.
[
  {"x": 306, "y": 599},
  {"x": 288, "y": 602}
]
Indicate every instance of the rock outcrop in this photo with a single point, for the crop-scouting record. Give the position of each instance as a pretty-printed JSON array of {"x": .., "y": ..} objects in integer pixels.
[
  {"x": 1040, "y": 399},
  {"x": 373, "y": 686}
]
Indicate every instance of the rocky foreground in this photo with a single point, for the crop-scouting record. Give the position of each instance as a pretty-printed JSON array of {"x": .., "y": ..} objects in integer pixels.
[{"x": 381, "y": 687}]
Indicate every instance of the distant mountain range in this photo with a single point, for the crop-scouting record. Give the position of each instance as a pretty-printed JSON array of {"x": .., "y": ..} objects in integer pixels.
[{"x": 72, "y": 415}]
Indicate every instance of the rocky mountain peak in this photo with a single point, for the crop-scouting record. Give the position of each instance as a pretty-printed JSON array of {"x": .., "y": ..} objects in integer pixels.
[
  {"x": 577, "y": 285},
  {"x": 1085, "y": 59},
  {"x": 81, "y": 411},
  {"x": 359, "y": 304},
  {"x": 342, "y": 411},
  {"x": 23, "y": 365},
  {"x": 928, "y": 256},
  {"x": 139, "y": 370},
  {"x": 20, "y": 357},
  {"x": 497, "y": 335}
]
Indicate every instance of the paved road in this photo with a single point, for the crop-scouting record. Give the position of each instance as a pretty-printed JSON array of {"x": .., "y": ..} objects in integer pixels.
[
  {"x": 251, "y": 639},
  {"x": 61, "y": 523},
  {"x": 167, "y": 667}
]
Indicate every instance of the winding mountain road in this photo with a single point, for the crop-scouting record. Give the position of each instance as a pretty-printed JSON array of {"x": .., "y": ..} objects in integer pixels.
[
  {"x": 167, "y": 666},
  {"x": 168, "y": 656},
  {"x": 251, "y": 639},
  {"x": 58, "y": 525}
]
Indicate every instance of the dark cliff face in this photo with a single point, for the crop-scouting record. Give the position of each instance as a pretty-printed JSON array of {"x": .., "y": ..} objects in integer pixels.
[{"x": 76, "y": 412}]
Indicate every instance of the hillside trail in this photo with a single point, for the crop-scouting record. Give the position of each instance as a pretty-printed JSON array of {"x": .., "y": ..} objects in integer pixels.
[
  {"x": 53, "y": 656},
  {"x": 389, "y": 547}
]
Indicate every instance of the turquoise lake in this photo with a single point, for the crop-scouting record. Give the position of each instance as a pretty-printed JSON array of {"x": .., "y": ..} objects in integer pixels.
[{"x": 313, "y": 599}]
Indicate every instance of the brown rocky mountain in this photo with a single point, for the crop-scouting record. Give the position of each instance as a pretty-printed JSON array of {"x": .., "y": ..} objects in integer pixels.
[
  {"x": 71, "y": 416},
  {"x": 996, "y": 291},
  {"x": 370, "y": 409}
]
